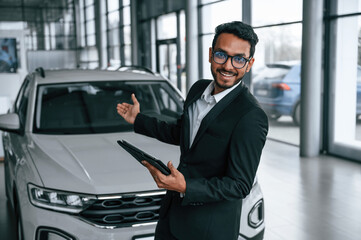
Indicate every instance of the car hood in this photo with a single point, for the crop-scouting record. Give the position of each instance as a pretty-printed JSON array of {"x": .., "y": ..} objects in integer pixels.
[{"x": 96, "y": 164}]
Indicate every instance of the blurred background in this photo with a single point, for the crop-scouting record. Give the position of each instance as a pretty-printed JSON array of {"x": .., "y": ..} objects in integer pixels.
[
  {"x": 307, "y": 73},
  {"x": 110, "y": 33}
]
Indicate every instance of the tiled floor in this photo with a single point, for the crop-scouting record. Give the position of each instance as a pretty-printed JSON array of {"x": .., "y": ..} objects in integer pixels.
[
  {"x": 309, "y": 198},
  {"x": 305, "y": 198}
]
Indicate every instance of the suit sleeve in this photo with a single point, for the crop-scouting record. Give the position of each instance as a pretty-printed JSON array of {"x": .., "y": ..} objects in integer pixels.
[
  {"x": 152, "y": 127},
  {"x": 168, "y": 132},
  {"x": 245, "y": 150}
]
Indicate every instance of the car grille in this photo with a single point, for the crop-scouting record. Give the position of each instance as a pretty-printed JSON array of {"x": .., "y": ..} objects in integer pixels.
[{"x": 124, "y": 211}]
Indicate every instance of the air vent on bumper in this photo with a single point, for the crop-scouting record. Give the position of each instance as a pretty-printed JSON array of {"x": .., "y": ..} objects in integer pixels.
[{"x": 124, "y": 210}]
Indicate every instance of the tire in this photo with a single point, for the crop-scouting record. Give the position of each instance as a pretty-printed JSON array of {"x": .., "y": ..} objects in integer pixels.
[
  {"x": 6, "y": 174},
  {"x": 296, "y": 116},
  {"x": 19, "y": 223},
  {"x": 274, "y": 117}
]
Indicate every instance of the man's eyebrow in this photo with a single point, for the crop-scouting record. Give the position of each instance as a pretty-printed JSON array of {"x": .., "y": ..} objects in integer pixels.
[{"x": 221, "y": 50}]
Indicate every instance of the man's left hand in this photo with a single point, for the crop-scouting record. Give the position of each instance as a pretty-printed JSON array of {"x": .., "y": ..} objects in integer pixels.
[{"x": 175, "y": 181}]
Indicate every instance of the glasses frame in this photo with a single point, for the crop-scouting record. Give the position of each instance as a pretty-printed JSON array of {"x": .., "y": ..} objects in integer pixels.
[{"x": 232, "y": 57}]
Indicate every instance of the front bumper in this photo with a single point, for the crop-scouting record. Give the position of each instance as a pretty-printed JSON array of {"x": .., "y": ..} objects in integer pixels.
[
  {"x": 38, "y": 221},
  {"x": 65, "y": 226},
  {"x": 252, "y": 224}
]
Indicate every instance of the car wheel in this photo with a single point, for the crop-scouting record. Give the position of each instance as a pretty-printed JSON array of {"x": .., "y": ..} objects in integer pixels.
[
  {"x": 6, "y": 177},
  {"x": 274, "y": 117},
  {"x": 19, "y": 224},
  {"x": 297, "y": 114}
]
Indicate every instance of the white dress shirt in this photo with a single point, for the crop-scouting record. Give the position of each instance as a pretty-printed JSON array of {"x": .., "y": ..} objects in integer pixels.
[{"x": 202, "y": 106}]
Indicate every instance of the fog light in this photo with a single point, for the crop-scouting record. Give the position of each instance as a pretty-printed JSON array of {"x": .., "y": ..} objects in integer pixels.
[
  {"x": 256, "y": 215},
  {"x": 52, "y": 234}
]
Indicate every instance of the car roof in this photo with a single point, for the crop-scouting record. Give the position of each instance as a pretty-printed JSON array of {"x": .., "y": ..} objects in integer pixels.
[{"x": 86, "y": 75}]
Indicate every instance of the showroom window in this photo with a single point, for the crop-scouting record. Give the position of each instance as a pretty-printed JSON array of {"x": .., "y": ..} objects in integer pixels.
[
  {"x": 126, "y": 45},
  {"x": 280, "y": 41},
  {"x": 344, "y": 70},
  {"x": 88, "y": 52},
  {"x": 276, "y": 73},
  {"x": 213, "y": 13},
  {"x": 170, "y": 48},
  {"x": 52, "y": 27},
  {"x": 118, "y": 33}
]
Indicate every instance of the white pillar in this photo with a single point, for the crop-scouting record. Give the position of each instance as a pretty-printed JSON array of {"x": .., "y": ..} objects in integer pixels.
[
  {"x": 134, "y": 33},
  {"x": 311, "y": 75},
  {"x": 192, "y": 43}
]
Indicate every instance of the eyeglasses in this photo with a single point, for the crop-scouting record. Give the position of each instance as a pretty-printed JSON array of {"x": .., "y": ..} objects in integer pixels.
[{"x": 237, "y": 61}]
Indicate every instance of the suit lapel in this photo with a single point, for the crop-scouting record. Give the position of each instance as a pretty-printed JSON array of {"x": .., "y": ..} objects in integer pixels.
[
  {"x": 188, "y": 104},
  {"x": 216, "y": 110}
]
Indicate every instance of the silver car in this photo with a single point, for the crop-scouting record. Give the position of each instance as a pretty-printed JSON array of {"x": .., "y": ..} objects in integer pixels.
[{"x": 65, "y": 175}]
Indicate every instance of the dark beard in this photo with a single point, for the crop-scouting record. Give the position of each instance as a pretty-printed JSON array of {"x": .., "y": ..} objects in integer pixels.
[{"x": 224, "y": 87}]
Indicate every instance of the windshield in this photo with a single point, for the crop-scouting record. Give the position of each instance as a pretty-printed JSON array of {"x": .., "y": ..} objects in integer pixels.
[{"x": 90, "y": 107}]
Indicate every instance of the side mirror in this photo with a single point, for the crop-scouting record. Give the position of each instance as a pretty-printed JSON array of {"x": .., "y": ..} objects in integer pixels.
[{"x": 10, "y": 122}]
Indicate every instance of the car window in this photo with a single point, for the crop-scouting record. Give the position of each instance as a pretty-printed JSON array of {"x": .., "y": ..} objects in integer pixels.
[
  {"x": 294, "y": 75},
  {"x": 168, "y": 103},
  {"x": 90, "y": 107},
  {"x": 20, "y": 94},
  {"x": 21, "y": 103}
]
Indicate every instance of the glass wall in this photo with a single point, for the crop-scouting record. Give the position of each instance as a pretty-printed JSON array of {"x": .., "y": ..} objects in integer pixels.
[
  {"x": 113, "y": 35},
  {"x": 170, "y": 48},
  {"x": 52, "y": 27},
  {"x": 345, "y": 79},
  {"x": 213, "y": 13},
  {"x": 118, "y": 33},
  {"x": 127, "y": 42},
  {"x": 276, "y": 79},
  {"x": 276, "y": 75},
  {"x": 88, "y": 50}
]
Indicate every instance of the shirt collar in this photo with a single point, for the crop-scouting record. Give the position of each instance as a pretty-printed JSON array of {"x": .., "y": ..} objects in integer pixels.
[{"x": 207, "y": 94}]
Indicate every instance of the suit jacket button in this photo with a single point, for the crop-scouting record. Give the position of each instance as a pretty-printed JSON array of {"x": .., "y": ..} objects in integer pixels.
[{"x": 184, "y": 165}]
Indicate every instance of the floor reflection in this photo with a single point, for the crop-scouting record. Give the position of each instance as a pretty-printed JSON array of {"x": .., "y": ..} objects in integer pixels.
[
  {"x": 309, "y": 198},
  {"x": 284, "y": 130}
]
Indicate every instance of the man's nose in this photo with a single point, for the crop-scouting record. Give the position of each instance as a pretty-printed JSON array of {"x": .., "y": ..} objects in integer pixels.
[{"x": 228, "y": 64}]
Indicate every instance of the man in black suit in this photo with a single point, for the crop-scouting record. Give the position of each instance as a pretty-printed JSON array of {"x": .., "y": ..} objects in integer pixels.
[{"x": 221, "y": 135}]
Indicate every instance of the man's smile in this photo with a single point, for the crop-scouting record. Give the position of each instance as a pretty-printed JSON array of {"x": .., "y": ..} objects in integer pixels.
[{"x": 227, "y": 73}]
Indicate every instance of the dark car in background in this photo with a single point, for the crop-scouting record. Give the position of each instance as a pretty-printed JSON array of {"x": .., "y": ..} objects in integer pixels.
[{"x": 277, "y": 87}]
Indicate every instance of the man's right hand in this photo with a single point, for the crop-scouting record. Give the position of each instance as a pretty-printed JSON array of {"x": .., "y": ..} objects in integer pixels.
[{"x": 128, "y": 111}]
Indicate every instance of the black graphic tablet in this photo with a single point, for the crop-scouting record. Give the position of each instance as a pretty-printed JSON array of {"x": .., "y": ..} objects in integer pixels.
[{"x": 140, "y": 156}]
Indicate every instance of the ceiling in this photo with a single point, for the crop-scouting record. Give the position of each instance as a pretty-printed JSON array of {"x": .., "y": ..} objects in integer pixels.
[{"x": 29, "y": 10}]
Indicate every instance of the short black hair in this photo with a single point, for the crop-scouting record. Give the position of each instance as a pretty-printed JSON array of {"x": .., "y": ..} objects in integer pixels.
[{"x": 239, "y": 29}]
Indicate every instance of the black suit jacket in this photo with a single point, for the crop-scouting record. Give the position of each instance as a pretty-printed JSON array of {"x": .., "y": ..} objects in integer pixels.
[{"x": 219, "y": 167}]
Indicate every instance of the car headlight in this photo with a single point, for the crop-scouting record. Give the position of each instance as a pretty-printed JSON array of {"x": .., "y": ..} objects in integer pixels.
[{"x": 59, "y": 200}]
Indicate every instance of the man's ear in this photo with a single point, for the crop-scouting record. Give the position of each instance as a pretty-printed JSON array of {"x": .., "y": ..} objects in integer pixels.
[{"x": 249, "y": 65}]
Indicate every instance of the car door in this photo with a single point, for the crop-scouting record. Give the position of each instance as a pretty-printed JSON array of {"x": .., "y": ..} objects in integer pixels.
[{"x": 13, "y": 141}]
